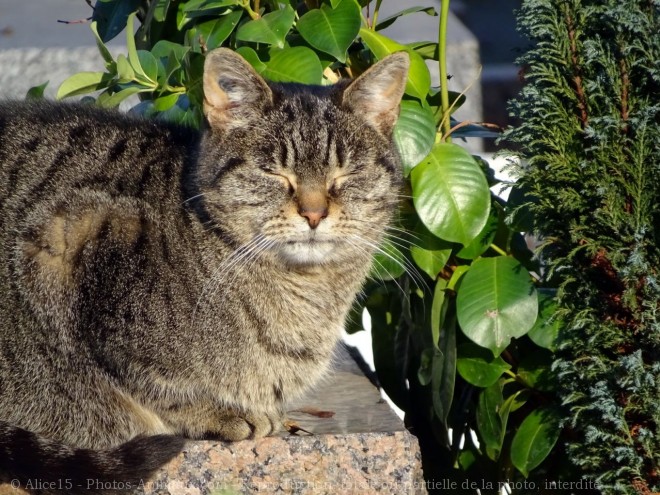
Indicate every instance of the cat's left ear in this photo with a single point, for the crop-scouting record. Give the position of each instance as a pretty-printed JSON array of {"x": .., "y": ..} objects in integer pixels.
[
  {"x": 233, "y": 92},
  {"x": 377, "y": 93}
]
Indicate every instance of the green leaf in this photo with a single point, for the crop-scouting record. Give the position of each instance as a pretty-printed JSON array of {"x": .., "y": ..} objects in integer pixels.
[
  {"x": 105, "y": 53},
  {"x": 534, "y": 440},
  {"x": 478, "y": 366},
  {"x": 444, "y": 371},
  {"x": 251, "y": 56},
  {"x": 160, "y": 9},
  {"x": 388, "y": 21},
  {"x": 546, "y": 328},
  {"x": 427, "y": 49},
  {"x": 489, "y": 421},
  {"x": 83, "y": 82},
  {"x": 495, "y": 302},
  {"x": 215, "y": 31},
  {"x": 331, "y": 29},
  {"x": 438, "y": 310},
  {"x": 414, "y": 133},
  {"x": 429, "y": 252},
  {"x": 164, "y": 103},
  {"x": 166, "y": 49},
  {"x": 389, "y": 262},
  {"x": 196, "y": 8},
  {"x": 430, "y": 262},
  {"x": 451, "y": 194},
  {"x": 297, "y": 64},
  {"x": 270, "y": 29},
  {"x": 125, "y": 72},
  {"x": 107, "y": 100},
  {"x": 385, "y": 311},
  {"x": 483, "y": 240},
  {"x": 148, "y": 65},
  {"x": 36, "y": 92},
  {"x": 111, "y": 17},
  {"x": 419, "y": 77}
]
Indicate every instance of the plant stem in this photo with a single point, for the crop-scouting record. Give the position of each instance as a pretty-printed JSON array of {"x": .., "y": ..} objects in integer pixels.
[
  {"x": 374, "y": 21},
  {"x": 253, "y": 15},
  {"x": 442, "y": 62},
  {"x": 498, "y": 249}
]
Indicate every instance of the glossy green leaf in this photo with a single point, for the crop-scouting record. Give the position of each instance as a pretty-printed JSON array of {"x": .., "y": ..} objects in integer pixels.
[
  {"x": 389, "y": 361},
  {"x": 216, "y": 31},
  {"x": 111, "y": 17},
  {"x": 388, "y": 21},
  {"x": 36, "y": 92},
  {"x": 253, "y": 59},
  {"x": 297, "y": 64},
  {"x": 496, "y": 302},
  {"x": 166, "y": 49},
  {"x": 489, "y": 421},
  {"x": 125, "y": 72},
  {"x": 414, "y": 133},
  {"x": 429, "y": 261},
  {"x": 166, "y": 102},
  {"x": 107, "y": 100},
  {"x": 148, "y": 65},
  {"x": 478, "y": 366},
  {"x": 419, "y": 77},
  {"x": 483, "y": 240},
  {"x": 195, "y": 8},
  {"x": 331, "y": 29},
  {"x": 160, "y": 9},
  {"x": 534, "y": 440},
  {"x": 271, "y": 29},
  {"x": 105, "y": 53},
  {"x": 427, "y": 49},
  {"x": 438, "y": 310},
  {"x": 444, "y": 371},
  {"x": 83, "y": 82},
  {"x": 546, "y": 328},
  {"x": 451, "y": 194},
  {"x": 429, "y": 252},
  {"x": 389, "y": 262}
]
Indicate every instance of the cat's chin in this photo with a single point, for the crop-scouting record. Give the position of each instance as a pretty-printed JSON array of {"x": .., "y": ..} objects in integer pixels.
[{"x": 308, "y": 252}]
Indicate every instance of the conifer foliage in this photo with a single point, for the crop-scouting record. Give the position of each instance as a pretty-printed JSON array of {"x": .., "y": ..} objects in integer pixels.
[{"x": 590, "y": 176}]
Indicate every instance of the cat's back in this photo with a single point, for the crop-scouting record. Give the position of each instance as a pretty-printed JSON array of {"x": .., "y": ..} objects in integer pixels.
[{"x": 50, "y": 149}]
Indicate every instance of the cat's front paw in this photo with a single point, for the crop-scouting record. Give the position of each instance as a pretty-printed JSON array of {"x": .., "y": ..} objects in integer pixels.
[{"x": 233, "y": 427}]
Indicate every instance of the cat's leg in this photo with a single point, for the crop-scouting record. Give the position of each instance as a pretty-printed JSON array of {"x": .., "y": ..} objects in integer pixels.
[{"x": 210, "y": 421}]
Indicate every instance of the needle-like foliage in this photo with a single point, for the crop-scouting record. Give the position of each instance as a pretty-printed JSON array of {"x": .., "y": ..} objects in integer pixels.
[{"x": 590, "y": 137}]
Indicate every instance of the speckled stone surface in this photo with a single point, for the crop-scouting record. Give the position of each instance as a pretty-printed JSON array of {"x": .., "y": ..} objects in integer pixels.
[{"x": 349, "y": 442}]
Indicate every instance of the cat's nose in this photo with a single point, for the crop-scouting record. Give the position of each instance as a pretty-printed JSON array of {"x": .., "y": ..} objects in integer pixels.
[{"x": 313, "y": 215}]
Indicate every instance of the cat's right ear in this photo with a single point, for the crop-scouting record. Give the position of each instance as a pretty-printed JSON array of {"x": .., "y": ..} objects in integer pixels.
[
  {"x": 377, "y": 93},
  {"x": 233, "y": 92}
]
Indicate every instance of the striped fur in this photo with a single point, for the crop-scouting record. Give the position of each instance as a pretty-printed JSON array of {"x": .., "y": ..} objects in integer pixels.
[{"x": 158, "y": 283}]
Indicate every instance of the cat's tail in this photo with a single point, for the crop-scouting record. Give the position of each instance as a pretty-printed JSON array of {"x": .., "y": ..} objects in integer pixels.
[{"x": 34, "y": 463}]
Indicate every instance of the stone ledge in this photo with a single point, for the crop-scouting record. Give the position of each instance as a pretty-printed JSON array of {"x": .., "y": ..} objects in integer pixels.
[
  {"x": 325, "y": 464},
  {"x": 349, "y": 442}
]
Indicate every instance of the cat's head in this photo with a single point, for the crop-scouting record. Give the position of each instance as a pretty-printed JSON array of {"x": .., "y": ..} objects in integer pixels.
[{"x": 308, "y": 175}]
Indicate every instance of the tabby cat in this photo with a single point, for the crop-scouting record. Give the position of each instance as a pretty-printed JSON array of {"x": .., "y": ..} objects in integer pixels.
[{"x": 157, "y": 283}]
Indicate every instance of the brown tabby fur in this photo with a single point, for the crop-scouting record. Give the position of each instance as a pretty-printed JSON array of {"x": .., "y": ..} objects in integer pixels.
[{"x": 157, "y": 283}]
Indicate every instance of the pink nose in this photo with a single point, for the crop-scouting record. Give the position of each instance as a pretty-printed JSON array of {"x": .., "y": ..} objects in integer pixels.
[{"x": 313, "y": 215}]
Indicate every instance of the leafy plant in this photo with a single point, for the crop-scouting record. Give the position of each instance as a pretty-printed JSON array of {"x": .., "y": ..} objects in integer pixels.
[
  {"x": 591, "y": 183},
  {"x": 458, "y": 343}
]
